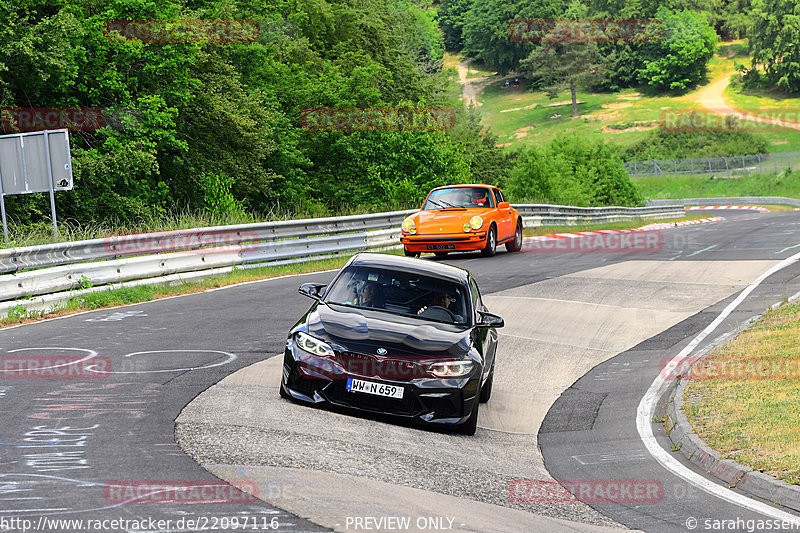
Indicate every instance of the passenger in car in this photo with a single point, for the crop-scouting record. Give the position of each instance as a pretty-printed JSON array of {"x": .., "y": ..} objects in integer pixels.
[{"x": 370, "y": 295}]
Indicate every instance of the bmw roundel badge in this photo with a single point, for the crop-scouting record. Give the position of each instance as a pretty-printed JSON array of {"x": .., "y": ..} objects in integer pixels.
[{"x": 381, "y": 351}]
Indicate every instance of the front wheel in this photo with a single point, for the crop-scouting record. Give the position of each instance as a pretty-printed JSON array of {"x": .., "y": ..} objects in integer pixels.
[
  {"x": 471, "y": 425},
  {"x": 410, "y": 254},
  {"x": 516, "y": 244},
  {"x": 486, "y": 390},
  {"x": 491, "y": 243}
]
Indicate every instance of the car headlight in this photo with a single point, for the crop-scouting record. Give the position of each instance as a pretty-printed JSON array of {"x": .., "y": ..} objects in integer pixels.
[
  {"x": 311, "y": 345},
  {"x": 409, "y": 226},
  {"x": 466, "y": 227},
  {"x": 451, "y": 369},
  {"x": 476, "y": 222}
]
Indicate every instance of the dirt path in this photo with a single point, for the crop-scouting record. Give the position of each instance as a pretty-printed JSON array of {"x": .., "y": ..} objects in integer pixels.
[
  {"x": 472, "y": 88},
  {"x": 711, "y": 97}
]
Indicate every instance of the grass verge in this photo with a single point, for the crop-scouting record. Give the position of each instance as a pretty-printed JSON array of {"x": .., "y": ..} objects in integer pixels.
[
  {"x": 668, "y": 186},
  {"x": 745, "y": 400},
  {"x": 626, "y": 224}
]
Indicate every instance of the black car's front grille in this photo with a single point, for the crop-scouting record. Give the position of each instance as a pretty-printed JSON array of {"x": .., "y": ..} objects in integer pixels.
[
  {"x": 388, "y": 368},
  {"x": 337, "y": 393}
]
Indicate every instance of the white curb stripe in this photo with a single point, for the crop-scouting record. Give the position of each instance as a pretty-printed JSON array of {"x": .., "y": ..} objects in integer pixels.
[{"x": 644, "y": 415}]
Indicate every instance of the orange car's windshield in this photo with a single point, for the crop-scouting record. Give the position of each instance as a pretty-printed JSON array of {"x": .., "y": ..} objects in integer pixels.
[{"x": 459, "y": 198}]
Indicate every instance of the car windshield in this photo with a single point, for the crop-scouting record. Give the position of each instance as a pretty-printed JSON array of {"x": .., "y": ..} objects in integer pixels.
[
  {"x": 400, "y": 293},
  {"x": 459, "y": 197}
]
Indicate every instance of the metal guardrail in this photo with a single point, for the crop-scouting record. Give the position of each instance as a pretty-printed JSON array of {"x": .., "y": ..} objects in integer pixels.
[
  {"x": 734, "y": 200},
  {"x": 729, "y": 166},
  {"x": 116, "y": 247},
  {"x": 83, "y": 266}
]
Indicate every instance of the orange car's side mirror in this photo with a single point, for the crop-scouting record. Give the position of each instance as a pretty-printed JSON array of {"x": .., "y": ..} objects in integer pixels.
[{"x": 503, "y": 205}]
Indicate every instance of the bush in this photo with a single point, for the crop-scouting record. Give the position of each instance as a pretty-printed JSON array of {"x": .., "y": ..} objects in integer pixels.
[
  {"x": 572, "y": 171},
  {"x": 666, "y": 144}
]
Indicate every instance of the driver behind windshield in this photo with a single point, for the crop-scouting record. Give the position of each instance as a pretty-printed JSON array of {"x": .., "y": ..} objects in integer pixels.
[{"x": 445, "y": 300}]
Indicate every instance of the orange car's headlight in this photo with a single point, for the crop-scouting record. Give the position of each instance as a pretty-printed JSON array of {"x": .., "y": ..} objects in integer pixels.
[
  {"x": 409, "y": 226},
  {"x": 476, "y": 222},
  {"x": 466, "y": 227}
]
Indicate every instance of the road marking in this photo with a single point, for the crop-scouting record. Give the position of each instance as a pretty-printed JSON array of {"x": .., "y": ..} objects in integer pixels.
[
  {"x": 644, "y": 414},
  {"x": 703, "y": 250},
  {"x": 788, "y": 248},
  {"x": 610, "y": 457}
]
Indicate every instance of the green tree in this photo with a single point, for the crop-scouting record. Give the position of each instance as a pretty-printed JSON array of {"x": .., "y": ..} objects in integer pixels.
[
  {"x": 573, "y": 171},
  {"x": 561, "y": 64},
  {"x": 680, "y": 58},
  {"x": 452, "y": 16},
  {"x": 774, "y": 42}
]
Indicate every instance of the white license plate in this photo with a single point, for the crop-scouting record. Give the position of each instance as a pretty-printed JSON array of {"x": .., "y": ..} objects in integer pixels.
[{"x": 377, "y": 389}]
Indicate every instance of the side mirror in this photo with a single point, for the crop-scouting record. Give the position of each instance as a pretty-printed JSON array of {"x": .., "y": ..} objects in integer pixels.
[
  {"x": 489, "y": 320},
  {"x": 312, "y": 290},
  {"x": 504, "y": 205}
]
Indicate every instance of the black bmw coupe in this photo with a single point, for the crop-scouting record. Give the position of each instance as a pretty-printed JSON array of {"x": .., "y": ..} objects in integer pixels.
[{"x": 398, "y": 336}]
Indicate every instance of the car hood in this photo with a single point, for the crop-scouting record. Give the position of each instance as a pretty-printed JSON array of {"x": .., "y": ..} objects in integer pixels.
[
  {"x": 447, "y": 217},
  {"x": 365, "y": 331}
]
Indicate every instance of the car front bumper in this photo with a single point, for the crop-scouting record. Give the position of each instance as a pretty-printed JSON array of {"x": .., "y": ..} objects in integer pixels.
[
  {"x": 455, "y": 242},
  {"x": 431, "y": 400}
]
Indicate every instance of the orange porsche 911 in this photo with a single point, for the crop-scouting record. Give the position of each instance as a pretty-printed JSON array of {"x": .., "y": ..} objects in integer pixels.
[{"x": 460, "y": 218}]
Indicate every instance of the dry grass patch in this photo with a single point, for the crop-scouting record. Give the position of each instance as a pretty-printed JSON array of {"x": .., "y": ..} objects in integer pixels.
[{"x": 746, "y": 400}]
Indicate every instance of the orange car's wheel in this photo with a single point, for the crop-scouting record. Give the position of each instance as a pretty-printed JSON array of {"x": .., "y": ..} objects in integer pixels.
[
  {"x": 491, "y": 243},
  {"x": 440, "y": 255},
  {"x": 516, "y": 244},
  {"x": 410, "y": 254}
]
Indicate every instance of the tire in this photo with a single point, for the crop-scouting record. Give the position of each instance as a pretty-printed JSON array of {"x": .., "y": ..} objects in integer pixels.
[
  {"x": 486, "y": 390},
  {"x": 491, "y": 243},
  {"x": 440, "y": 255},
  {"x": 471, "y": 425},
  {"x": 410, "y": 254},
  {"x": 516, "y": 244}
]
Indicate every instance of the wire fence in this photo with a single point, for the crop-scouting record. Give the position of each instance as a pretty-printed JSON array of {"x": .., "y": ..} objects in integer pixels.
[{"x": 728, "y": 166}]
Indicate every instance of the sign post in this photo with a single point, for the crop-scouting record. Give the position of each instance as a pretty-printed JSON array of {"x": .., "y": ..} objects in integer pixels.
[{"x": 35, "y": 162}]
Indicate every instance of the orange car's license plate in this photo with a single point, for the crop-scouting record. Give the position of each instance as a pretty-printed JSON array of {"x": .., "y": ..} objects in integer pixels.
[{"x": 441, "y": 247}]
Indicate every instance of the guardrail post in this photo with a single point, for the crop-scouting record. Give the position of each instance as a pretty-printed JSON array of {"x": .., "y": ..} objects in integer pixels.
[
  {"x": 675, "y": 162},
  {"x": 635, "y": 171},
  {"x": 3, "y": 210},
  {"x": 744, "y": 166},
  {"x": 709, "y": 165},
  {"x": 692, "y": 162},
  {"x": 727, "y": 167},
  {"x": 759, "y": 163}
]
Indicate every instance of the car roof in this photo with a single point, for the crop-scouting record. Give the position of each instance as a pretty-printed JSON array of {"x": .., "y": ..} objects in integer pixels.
[
  {"x": 410, "y": 264},
  {"x": 464, "y": 185}
]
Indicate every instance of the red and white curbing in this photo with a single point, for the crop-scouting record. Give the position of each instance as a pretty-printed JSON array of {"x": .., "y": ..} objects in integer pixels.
[
  {"x": 648, "y": 227},
  {"x": 747, "y": 207}
]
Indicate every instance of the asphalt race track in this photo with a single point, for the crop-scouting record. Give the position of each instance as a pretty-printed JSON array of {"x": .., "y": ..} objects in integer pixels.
[{"x": 586, "y": 333}]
